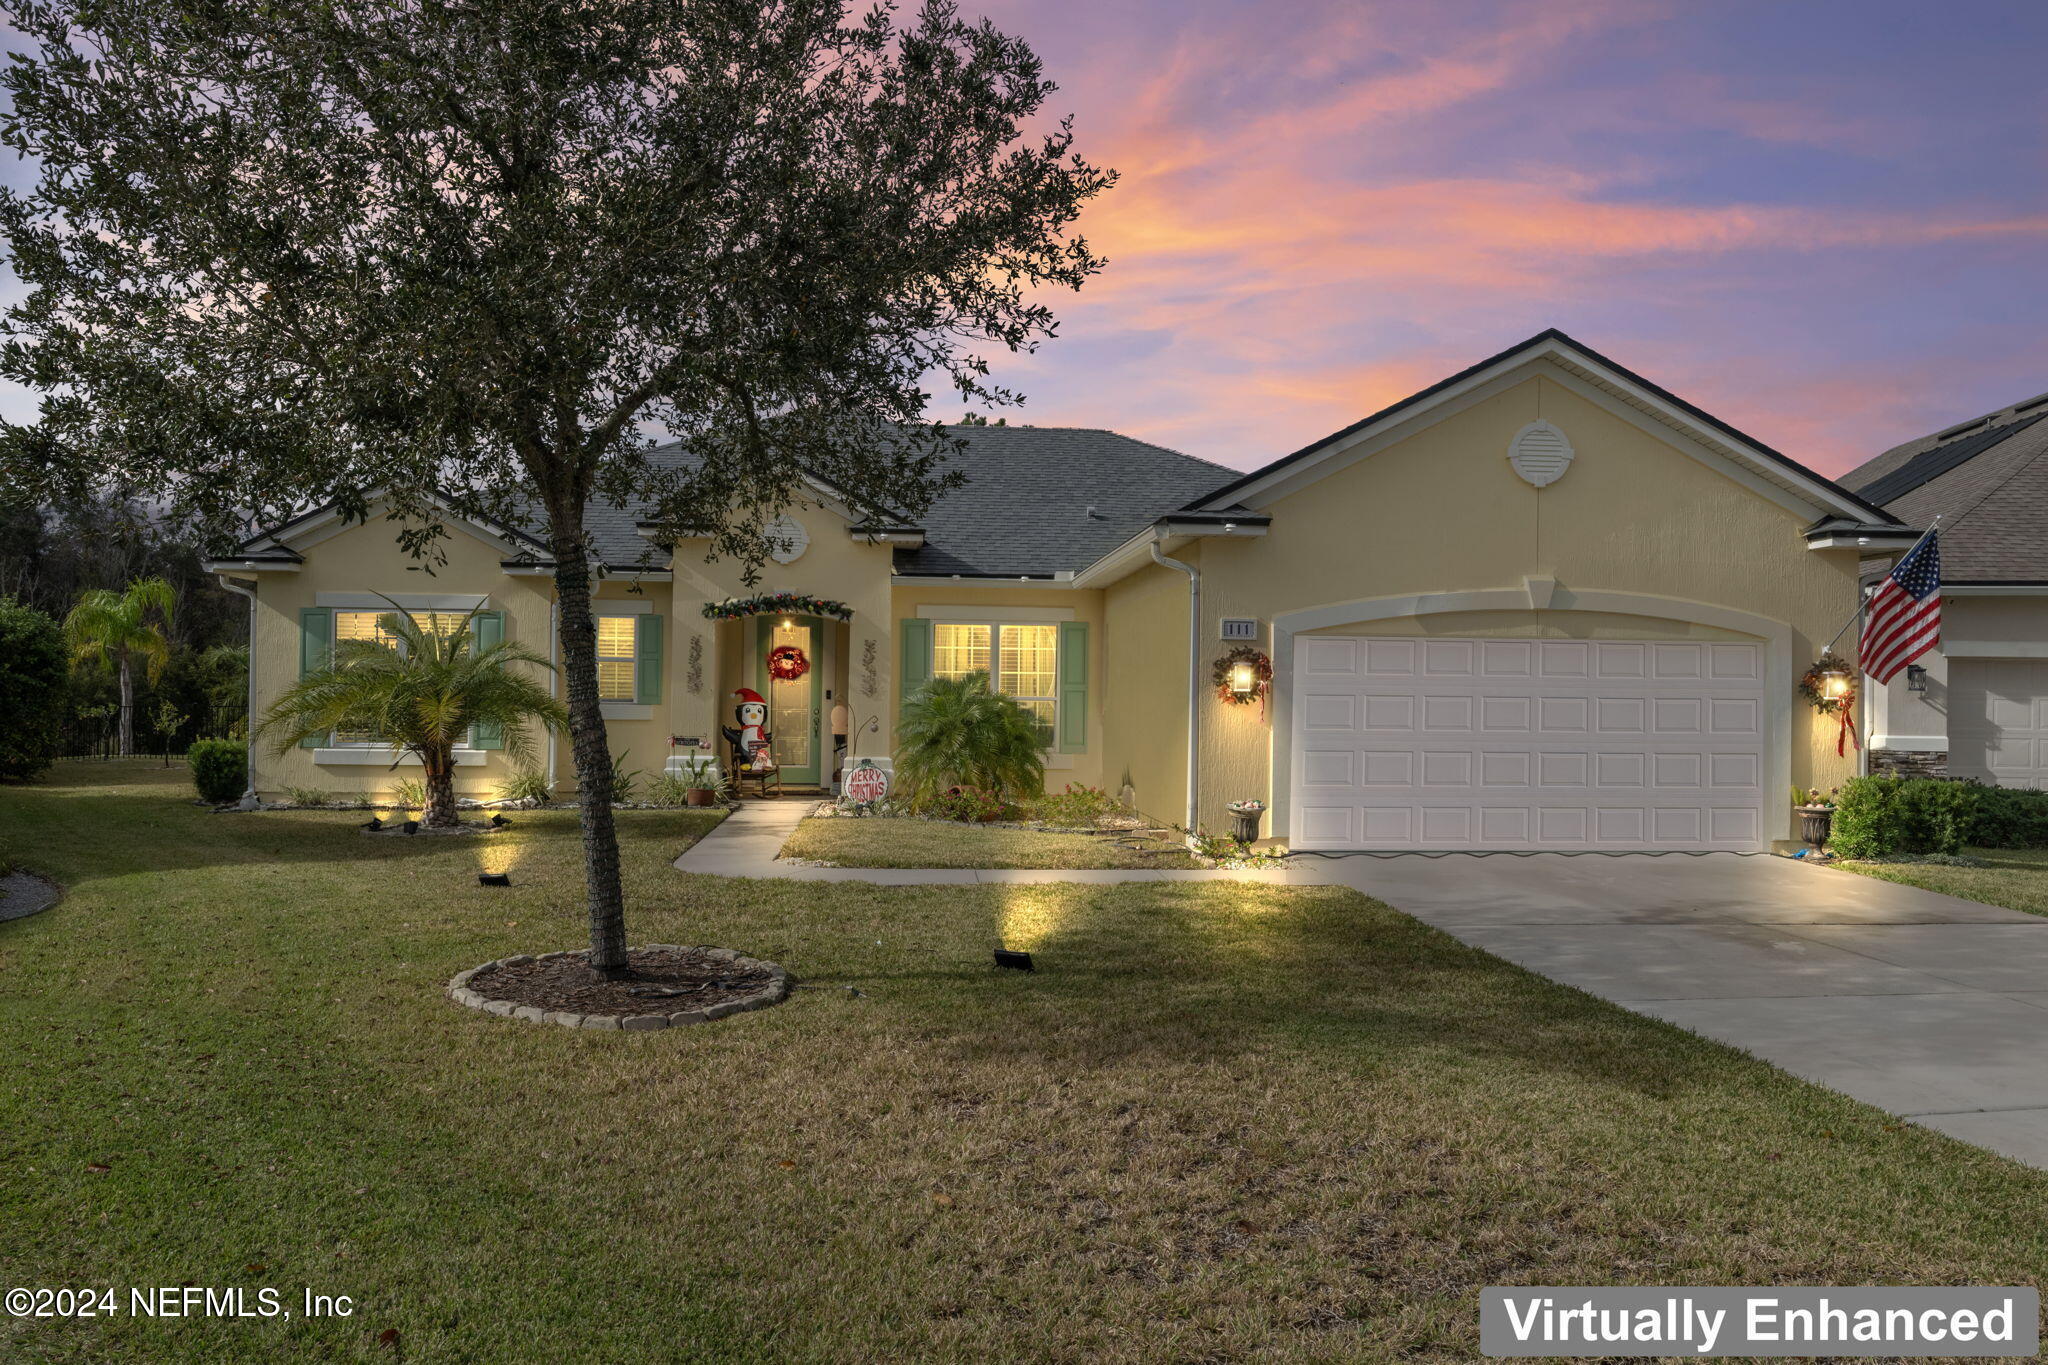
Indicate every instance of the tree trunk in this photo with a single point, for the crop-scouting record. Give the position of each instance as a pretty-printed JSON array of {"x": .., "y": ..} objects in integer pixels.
[
  {"x": 127, "y": 708},
  {"x": 440, "y": 771},
  {"x": 590, "y": 745}
]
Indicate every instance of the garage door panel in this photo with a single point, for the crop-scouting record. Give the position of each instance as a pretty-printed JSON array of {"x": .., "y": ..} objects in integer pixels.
[
  {"x": 1533, "y": 744},
  {"x": 1327, "y": 657},
  {"x": 1998, "y": 721}
]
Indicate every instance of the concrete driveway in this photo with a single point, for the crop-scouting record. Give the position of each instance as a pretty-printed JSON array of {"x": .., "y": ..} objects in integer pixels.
[{"x": 1931, "y": 1007}]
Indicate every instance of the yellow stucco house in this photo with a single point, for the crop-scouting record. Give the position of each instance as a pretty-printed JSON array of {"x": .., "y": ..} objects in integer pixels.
[{"x": 1542, "y": 604}]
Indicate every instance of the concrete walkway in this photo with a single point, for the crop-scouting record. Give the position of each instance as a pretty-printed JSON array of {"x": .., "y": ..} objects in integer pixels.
[
  {"x": 1933, "y": 1008},
  {"x": 745, "y": 844},
  {"x": 1930, "y": 1007}
]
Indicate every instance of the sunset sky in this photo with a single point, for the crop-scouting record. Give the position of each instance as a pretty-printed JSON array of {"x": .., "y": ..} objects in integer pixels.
[{"x": 1822, "y": 220}]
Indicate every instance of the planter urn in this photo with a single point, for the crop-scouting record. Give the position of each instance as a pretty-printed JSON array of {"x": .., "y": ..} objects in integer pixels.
[
  {"x": 1246, "y": 826},
  {"x": 700, "y": 796},
  {"x": 1815, "y": 824}
]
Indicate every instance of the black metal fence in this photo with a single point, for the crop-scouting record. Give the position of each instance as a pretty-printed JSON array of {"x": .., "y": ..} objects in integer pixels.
[{"x": 93, "y": 735}]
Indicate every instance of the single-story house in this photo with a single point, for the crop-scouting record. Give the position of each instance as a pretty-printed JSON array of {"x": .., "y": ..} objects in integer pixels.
[
  {"x": 1978, "y": 705},
  {"x": 1541, "y": 604}
]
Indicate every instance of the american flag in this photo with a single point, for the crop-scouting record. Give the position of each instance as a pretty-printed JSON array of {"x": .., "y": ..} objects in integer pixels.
[{"x": 1903, "y": 618}]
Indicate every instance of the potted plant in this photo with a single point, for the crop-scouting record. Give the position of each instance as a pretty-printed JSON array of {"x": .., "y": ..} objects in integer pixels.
[
  {"x": 1816, "y": 815},
  {"x": 1246, "y": 815}
]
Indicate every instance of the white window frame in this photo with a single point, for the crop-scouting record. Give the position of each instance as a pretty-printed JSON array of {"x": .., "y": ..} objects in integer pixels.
[
  {"x": 379, "y": 746},
  {"x": 995, "y": 621},
  {"x": 631, "y": 658}
]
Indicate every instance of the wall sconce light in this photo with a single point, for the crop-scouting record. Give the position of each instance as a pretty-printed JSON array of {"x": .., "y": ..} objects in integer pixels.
[
  {"x": 1916, "y": 678},
  {"x": 1834, "y": 682},
  {"x": 494, "y": 879},
  {"x": 1244, "y": 679}
]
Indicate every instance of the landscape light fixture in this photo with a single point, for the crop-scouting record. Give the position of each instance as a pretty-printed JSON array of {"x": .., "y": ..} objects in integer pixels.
[
  {"x": 500, "y": 822},
  {"x": 494, "y": 879},
  {"x": 1014, "y": 960},
  {"x": 1244, "y": 679},
  {"x": 1916, "y": 678},
  {"x": 412, "y": 827},
  {"x": 374, "y": 822}
]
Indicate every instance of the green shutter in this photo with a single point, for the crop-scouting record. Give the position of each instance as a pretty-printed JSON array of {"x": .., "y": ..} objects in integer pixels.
[
  {"x": 917, "y": 658},
  {"x": 316, "y": 650},
  {"x": 647, "y": 660},
  {"x": 1073, "y": 686},
  {"x": 486, "y": 630}
]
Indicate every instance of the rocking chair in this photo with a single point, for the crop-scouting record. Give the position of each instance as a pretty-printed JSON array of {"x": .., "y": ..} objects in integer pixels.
[{"x": 742, "y": 769}]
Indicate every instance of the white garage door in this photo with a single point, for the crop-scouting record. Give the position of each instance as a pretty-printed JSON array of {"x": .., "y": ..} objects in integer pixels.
[
  {"x": 1998, "y": 720},
  {"x": 1507, "y": 744}
]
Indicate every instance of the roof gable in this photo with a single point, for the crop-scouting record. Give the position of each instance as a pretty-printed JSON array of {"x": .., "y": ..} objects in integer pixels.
[{"x": 1630, "y": 395}]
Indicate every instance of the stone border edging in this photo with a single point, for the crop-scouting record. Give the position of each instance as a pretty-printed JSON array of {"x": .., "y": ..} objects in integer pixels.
[
  {"x": 774, "y": 993},
  {"x": 24, "y": 893}
]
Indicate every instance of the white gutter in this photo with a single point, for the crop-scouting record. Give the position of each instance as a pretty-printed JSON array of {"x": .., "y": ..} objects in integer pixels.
[
  {"x": 1194, "y": 680},
  {"x": 249, "y": 800}
]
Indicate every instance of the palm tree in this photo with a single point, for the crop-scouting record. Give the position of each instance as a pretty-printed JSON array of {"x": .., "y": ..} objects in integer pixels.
[
  {"x": 956, "y": 732},
  {"x": 118, "y": 628},
  {"x": 422, "y": 692}
]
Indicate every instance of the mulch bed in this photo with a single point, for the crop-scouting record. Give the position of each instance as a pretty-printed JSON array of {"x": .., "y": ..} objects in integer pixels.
[
  {"x": 23, "y": 894},
  {"x": 664, "y": 980}
]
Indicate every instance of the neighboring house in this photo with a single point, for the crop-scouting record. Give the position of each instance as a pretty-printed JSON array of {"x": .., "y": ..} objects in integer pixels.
[
  {"x": 1542, "y": 604},
  {"x": 1978, "y": 705}
]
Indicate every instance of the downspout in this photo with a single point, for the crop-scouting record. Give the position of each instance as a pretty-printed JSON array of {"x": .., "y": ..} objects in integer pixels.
[
  {"x": 1194, "y": 680},
  {"x": 249, "y": 800}
]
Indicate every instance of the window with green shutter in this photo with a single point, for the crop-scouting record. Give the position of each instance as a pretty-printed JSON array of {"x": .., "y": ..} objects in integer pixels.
[
  {"x": 916, "y": 665},
  {"x": 647, "y": 661},
  {"x": 316, "y": 648},
  {"x": 486, "y": 631},
  {"x": 1073, "y": 686}
]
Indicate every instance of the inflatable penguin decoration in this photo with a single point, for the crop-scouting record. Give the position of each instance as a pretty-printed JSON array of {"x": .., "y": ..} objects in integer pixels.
[{"x": 752, "y": 737}]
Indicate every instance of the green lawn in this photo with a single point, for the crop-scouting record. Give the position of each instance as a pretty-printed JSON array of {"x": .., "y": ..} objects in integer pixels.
[
  {"x": 1223, "y": 1122},
  {"x": 2016, "y": 878},
  {"x": 884, "y": 842}
]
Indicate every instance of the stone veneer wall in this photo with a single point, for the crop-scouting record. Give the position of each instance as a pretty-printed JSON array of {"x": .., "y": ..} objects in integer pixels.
[{"x": 1909, "y": 762}]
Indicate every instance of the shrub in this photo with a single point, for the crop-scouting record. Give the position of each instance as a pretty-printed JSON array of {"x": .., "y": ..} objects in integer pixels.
[
  {"x": 669, "y": 789},
  {"x": 1077, "y": 805},
  {"x": 955, "y": 732},
  {"x": 410, "y": 793},
  {"x": 2011, "y": 817},
  {"x": 1876, "y": 816},
  {"x": 308, "y": 796},
  {"x": 971, "y": 805},
  {"x": 33, "y": 673},
  {"x": 528, "y": 785},
  {"x": 220, "y": 769}
]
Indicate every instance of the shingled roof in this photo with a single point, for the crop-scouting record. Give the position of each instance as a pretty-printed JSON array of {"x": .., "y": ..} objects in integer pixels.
[
  {"x": 1038, "y": 501},
  {"x": 1046, "y": 500},
  {"x": 1987, "y": 479}
]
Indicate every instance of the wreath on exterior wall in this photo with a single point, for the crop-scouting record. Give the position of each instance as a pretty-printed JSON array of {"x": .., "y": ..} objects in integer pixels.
[
  {"x": 1813, "y": 686},
  {"x": 787, "y": 663},
  {"x": 777, "y": 604},
  {"x": 1262, "y": 675}
]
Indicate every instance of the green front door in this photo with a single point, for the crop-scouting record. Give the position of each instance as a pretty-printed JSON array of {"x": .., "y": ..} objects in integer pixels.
[{"x": 793, "y": 703}]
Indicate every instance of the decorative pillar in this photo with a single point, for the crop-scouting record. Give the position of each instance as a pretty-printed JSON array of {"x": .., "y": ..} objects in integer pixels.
[{"x": 693, "y": 687}]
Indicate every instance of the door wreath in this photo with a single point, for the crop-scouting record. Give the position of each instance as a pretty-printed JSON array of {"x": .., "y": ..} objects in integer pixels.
[{"x": 787, "y": 663}]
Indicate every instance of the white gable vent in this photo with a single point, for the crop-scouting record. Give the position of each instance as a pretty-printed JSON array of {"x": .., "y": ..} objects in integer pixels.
[{"x": 1540, "y": 453}]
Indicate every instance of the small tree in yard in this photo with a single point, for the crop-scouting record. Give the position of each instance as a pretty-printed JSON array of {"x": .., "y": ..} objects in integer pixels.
[
  {"x": 422, "y": 692},
  {"x": 121, "y": 629},
  {"x": 464, "y": 255},
  {"x": 958, "y": 732}
]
